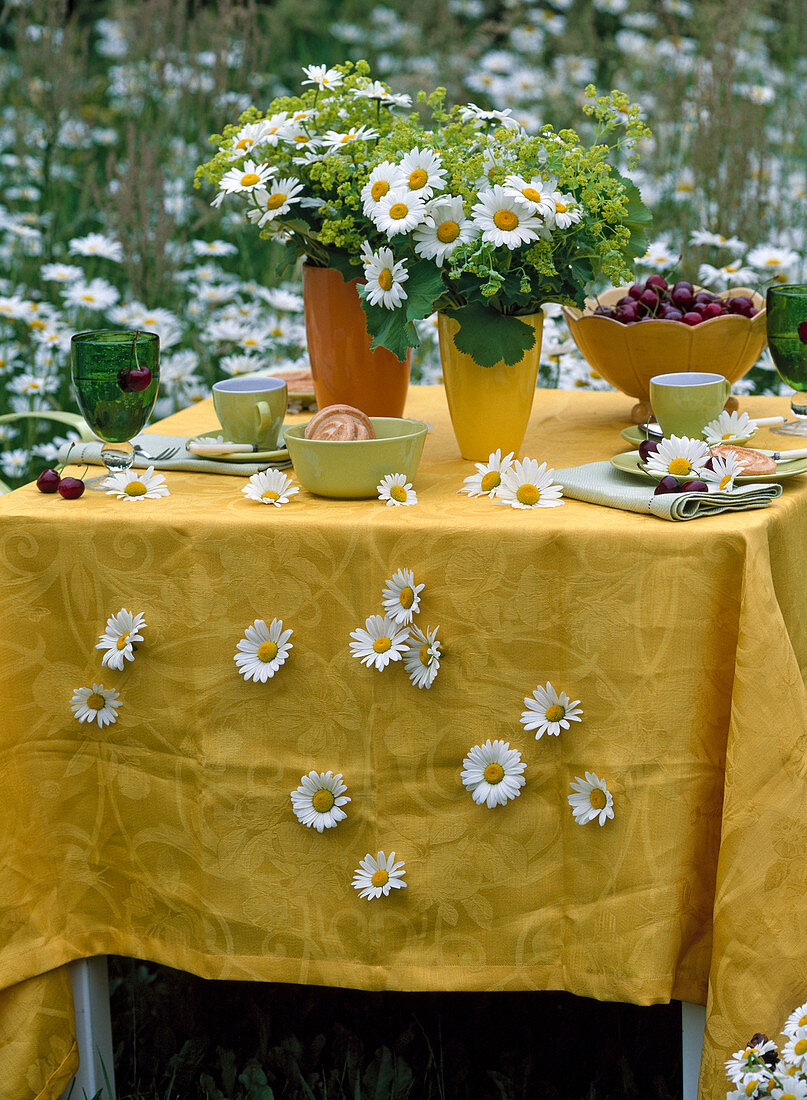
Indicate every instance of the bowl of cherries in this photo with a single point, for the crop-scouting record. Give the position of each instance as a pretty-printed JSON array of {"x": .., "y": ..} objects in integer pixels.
[{"x": 631, "y": 333}]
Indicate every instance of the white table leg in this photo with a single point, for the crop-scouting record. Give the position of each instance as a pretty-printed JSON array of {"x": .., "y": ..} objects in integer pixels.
[
  {"x": 693, "y": 1021},
  {"x": 93, "y": 1031}
]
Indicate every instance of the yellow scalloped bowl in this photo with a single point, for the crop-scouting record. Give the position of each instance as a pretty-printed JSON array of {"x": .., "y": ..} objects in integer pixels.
[{"x": 628, "y": 356}]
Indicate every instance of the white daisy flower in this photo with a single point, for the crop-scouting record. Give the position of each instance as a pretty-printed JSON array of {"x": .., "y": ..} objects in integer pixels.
[
  {"x": 591, "y": 799},
  {"x": 792, "y": 1088},
  {"x": 797, "y": 1019},
  {"x": 444, "y": 229},
  {"x": 794, "y": 1050},
  {"x": 122, "y": 631},
  {"x": 136, "y": 485},
  {"x": 274, "y": 204},
  {"x": 379, "y": 641},
  {"x": 384, "y": 177},
  {"x": 529, "y": 484},
  {"x": 680, "y": 456},
  {"x": 748, "y": 1063},
  {"x": 567, "y": 210},
  {"x": 263, "y": 650},
  {"x": 535, "y": 193},
  {"x": 399, "y": 211},
  {"x": 334, "y": 140},
  {"x": 96, "y": 704},
  {"x": 396, "y": 491},
  {"x": 270, "y": 487},
  {"x": 274, "y": 128},
  {"x": 61, "y": 273},
  {"x": 725, "y": 468},
  {"x": 376, "y": 90},
  {"x": 384, "y": 279},
  {"x": 423, "y": 172},
  {"x": 245, "y": 179},
  {"x": 548, "y": 712},
  {"x": 773, "y": 261},
  {"x": 422, "y": 659},
  {"x": 374, "y": 877},
  {"x": 97, "y": 294},
  {"x": 401, "y": 597},
  {"x": 249, "y": 136},
  {"x": 319, "y": 799},
  {"x": 322, "y": 76},
  {"x": 478, "y": 115},
  {"x": 729, "y": 426},
  {"x": 504, "y": 220},
  {"x": 731, "y": 274},
  {"x": 491, "y": 163},
  {"x": 488, "y": 476},
  {"x": 96, "y": 244},
  {"x": 716, "y": 240},
  {"x": 493, "y": 773}
]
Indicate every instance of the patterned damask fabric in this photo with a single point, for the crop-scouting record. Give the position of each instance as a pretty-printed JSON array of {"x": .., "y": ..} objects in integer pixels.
[{"x": 170, "y": 835}]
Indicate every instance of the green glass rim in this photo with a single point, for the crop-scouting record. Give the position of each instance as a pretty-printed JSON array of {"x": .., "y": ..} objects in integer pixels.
[
  {"x": 789, "y": 289},
  {"x": 112, "y": 336}
]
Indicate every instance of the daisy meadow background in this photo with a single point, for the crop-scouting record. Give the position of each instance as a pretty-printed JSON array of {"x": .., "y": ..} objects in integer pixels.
[{"x": 105, "y": 111}]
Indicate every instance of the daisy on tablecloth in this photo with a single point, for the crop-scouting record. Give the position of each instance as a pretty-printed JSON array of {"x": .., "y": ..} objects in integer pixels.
[
  {"x": 376, "y": 877},
  {"x": 401, "y": 597},
  {"x": 263, "y": 650},
  {"x": 319, "y": 799},
  {"x": 422, "y": 659},
  {"x": 680, "y": 456},
  {"x": 136, "y": 485},
  {"x": 122, "y": 631},
  {"x": 488, "y": 476},
  {"x": 270, "y": 487},
  {"x": 548, "y": 712},
  {"x": 493, "y": 773},
  {"x": 380, "y": 641},
  {"x": 529, "y": 484},
  {"x": 96, "y": 704},
  {"x": 591, "y": 800},
  {"x": 396, "y": 491}
]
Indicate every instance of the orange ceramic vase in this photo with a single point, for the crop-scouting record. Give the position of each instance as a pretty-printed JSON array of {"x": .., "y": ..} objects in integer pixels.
[{"x": 344, "y": 369}]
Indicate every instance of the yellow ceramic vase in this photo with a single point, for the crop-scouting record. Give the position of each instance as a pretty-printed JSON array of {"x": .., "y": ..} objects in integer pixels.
[{"x": 490, "y": 406}]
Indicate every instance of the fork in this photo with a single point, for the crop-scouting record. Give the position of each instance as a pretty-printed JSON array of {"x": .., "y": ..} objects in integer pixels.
[{"x": 163, "y": 456}]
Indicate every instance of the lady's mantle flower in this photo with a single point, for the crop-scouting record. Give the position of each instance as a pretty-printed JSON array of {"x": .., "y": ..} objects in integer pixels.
[
  {"x": 493, "y": 773},
  {"x": 96, "y": 704},
  {"x": 548, "y": 712},
  {"x": 380, "y": 641},
  {"x": 374, "y": 877},
  {"x": 488, "y": 476},
  {"x": 262, "y": 650},
  {"x": 122, "y": 631},
  {"x": 319, "y": 799},
  {"x": 591, "y": 799}
]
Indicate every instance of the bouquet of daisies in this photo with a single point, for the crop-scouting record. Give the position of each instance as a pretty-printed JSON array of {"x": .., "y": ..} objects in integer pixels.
[
  {"x": 464, "y": 212},
  {"x": 760, "y": 1069}
]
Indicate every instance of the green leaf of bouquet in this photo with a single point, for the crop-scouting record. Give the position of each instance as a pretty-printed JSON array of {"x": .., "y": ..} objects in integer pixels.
[
  {"x": 390, "y": 328},
  {"x": 637, "y": 219},
  {"x": 490, "y": 337},
  {"x": 424, "y": 287},
  {"x": 341, "y": 263}
]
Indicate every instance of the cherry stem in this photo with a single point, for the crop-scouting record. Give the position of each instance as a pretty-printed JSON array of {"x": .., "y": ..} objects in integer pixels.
[
  {"x": 134, "y": 350},
  {"x": 66, "y": 459}
]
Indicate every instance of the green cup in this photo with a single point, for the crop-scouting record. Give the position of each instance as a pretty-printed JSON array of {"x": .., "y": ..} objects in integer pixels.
[
  {"x": 684, "y": 403},
  {"x": 251, "y": 410}
]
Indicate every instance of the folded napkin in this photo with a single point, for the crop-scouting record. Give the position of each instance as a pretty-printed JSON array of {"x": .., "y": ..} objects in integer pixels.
[
  {"x": 154, "y": 444},
  {"x": 600, "y": 483}
]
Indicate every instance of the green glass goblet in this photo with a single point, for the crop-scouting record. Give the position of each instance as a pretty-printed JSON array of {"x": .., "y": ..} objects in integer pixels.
[
  {"x": 115, "y": 377},
  {"x": 786, "y": 319}
]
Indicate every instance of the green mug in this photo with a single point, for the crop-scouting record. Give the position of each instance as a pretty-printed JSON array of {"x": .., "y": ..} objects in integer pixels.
[
  {"x": 684, "y": 403},
  {"x": 251, "y": 410}
]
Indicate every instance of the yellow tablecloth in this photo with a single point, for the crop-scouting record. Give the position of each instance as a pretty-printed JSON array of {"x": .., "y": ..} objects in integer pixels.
[{"x": 169, "y": 836}]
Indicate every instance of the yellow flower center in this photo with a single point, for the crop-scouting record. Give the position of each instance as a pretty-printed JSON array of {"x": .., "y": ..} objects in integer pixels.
[
  {"x": 731, "y": 267},
  {"x": 491, "y": 479},
  {"x": 679, "y": 466},
  {"x": 531, "y": 194},
  {"x": 275, "y": 200},
  {"x": 800, "y": 1047},
  {"x": 123, "y": 641},
  {"x": 323, "y": 801},
  {"x": 36, "y": 324},
  {"x": 555, "y": 712},
  {"x": 135, "y": 489},
  {"x": 725, "y": 481},
  {"x": 423, "y": 654},
  {"x": 494, "y": 773},
  {"x": 597, "y": 799},
  {"x": 772, "y": 263},
  {"x": 561, "y": 207},
  {"x": 728, "y": 435},
  {"x": 447, "y": 231},
  {"x": 397, "y": 492},
  {"x": 244, "y": 143},
  {"x": 87, "y": 298},
  {"x": 751, "y": 1088},
  {"x": 385, "y": 279},
  {"x": 301, "y": 139},
  {"x": 406, "y": 597},
  {"x": 782, "y": 1096},
  {"x": 802, "y": 1021},
  {"x": 96, "y": 701},
  {"x": 505, "y": 220},
  {"x": 528, "y": 494},
  {"x": 379, "y": 189},
  {"x": 267, "y": 652},
  {"x": 418, "y": 179},
  {"x": 398, "y": 211},
  {"x": 250, "y": 179},
  {"x": 381, "y": 645},
  {"x": 270, "y": 494},
  {"x": 380, "y": 877}
]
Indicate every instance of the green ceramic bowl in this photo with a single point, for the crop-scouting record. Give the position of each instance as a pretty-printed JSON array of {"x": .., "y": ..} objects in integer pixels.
[{"x": 352, "y": 470}]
